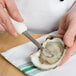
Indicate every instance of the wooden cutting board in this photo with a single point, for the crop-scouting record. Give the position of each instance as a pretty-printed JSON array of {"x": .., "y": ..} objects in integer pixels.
[{"x": 7, "y": 42}]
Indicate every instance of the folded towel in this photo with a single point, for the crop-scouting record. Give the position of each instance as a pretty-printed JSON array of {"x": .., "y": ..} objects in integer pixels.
[{"x": 20, "y": 57}]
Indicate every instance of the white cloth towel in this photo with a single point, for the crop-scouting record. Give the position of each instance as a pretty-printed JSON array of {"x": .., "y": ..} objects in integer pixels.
[{"x": 20, "y": 57}]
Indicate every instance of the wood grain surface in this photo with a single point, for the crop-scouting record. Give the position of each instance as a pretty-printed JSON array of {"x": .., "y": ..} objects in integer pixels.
[{"x": 7, "y": 42}]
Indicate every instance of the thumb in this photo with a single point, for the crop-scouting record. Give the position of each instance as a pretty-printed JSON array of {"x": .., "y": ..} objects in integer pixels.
[
  {"x": 69, "y": 36},
  {"x": 69, "y": 52}
]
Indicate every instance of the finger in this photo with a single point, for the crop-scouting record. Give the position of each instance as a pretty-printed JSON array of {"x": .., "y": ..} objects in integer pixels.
[
  {"x": 7, "y": 23},
  {"x": 13, "y": 11},
  {"x": 61, "y": 35},
  {"x": 69, "y": 53},
  {"x": 70, "y": 35},
  {"x": 62, "y": 25},
  {"x": 3, "y": 3},
  {"x": 1, "y": 28}
]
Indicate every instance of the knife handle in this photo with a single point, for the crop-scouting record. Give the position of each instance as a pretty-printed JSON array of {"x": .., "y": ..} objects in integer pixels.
[{"x": 19, "y": 26}]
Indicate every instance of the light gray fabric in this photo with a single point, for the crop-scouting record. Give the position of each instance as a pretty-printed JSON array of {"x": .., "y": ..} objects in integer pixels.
[{"x": 42, "y": 16}]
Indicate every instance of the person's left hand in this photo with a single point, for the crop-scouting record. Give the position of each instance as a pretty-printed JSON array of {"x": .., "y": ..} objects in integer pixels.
[{"x": 67, "y": 30}]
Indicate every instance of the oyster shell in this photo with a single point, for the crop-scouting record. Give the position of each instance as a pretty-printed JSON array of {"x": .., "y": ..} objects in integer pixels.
[{"x": 52, "y": 54}]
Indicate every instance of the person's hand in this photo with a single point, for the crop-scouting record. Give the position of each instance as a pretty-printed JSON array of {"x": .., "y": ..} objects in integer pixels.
[
  {"x": 67, "y": 30},
  {"x": 5, "y": 22}
]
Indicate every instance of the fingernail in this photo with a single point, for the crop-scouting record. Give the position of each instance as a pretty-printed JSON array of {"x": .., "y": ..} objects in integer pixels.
[
  {"x": 20, "y": 18},
  {"x": 15, "y": 34},
  {"x": 70, "y": 43}
]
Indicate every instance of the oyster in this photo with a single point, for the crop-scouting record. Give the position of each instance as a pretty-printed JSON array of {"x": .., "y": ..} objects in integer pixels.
[{"x": 52, "y": 54}]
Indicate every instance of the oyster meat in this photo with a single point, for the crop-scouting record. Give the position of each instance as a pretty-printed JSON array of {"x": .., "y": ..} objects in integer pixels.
[{"x": 51, "y": 55}]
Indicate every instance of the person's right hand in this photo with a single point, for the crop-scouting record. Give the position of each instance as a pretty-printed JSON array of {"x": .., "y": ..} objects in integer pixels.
[{"x": 5, "y": 22}]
